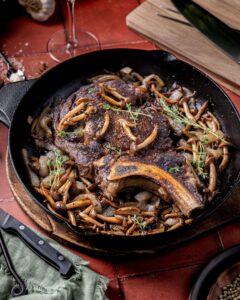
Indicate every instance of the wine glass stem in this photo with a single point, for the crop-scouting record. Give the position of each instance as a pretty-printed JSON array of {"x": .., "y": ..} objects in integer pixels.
[{"x": 72, "y": 42}]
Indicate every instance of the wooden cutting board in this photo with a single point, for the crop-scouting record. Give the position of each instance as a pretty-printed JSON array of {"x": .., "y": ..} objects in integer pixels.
[{"x": 186, "y": 42}]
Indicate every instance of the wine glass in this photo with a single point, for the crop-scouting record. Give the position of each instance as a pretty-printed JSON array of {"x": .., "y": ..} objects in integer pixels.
[{"x": 71, "y": 42}]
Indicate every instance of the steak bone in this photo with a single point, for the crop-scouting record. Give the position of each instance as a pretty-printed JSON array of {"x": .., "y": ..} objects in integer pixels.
[{"x": 182, "y": 197}]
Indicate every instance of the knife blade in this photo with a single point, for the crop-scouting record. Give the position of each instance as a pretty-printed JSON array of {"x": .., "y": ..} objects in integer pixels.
[
  {"x": 225, "y": 37},
  {"x": 37, "y": 244}
]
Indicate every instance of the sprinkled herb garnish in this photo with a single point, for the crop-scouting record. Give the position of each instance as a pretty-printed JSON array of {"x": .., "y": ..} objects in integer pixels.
[
  {"x": 199, "y": 161},
  {"x": 79, "y": 131},
  {"x": 200, "y": 155},
  {"x": 56, "y": 166},
  {"x": 111, "y": 148},
  {"x": 173, "y": 170},
  {"x": 139, "y": 222},
  {"x": 92, "y": 90},
  {"x": 106, "y": 106},
  {"x": 204, "y": 140},
  {"x": 62, "y": 133},
  {"x": 134, "y": 114},
  {"x": 173, "y": 113}
]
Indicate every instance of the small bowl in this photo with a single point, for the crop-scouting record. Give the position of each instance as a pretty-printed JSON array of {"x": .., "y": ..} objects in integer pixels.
[
  {"x": 219, "y": 272},
  {"x": 225, "y": 278}
]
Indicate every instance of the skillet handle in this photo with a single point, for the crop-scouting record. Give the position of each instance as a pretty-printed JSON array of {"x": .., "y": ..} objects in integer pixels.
[{"x": 10, "y": 96}]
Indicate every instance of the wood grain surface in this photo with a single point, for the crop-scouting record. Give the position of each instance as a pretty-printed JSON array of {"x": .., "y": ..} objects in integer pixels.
[
  {"x": 185, "y": 41},
  {"x": 229, "y": 211}
]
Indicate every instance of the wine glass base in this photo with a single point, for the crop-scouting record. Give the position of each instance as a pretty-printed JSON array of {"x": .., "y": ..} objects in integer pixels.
[{"x": 59, "y": 50}]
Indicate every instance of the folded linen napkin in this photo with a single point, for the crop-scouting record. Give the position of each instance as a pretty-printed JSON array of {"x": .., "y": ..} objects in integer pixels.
[{"x": 43, "y": 281}]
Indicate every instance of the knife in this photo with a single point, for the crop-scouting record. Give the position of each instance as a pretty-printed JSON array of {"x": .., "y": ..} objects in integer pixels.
[
  {"x": 37, "y": 244},
  {"x": 225, "y": 37}
]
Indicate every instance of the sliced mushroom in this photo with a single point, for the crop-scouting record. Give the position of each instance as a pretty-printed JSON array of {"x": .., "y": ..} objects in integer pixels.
[
  {"x": 150, "y": 139},
  {"x": 43, "y": 166},
  {"x": 201, "y": 111},
  {"x": 104, "y": 78},
  {"x": 44, "y": 123},
  {"x": 126, "y": 126},
  {"x": 90, "y": 220},
  {"x": 212, "y": 178},
  {"x": 153, "y": 79},
  {"x": 105, "y": 126},
  {"x": 80, "y": 106},
  {"x": 82, "y": 116},
  {"x": 225, "y": 159},
  {"x": 129, "y": 210},
  {"x": 112, "y": 220},
  {"x": 104, "y": 90}
]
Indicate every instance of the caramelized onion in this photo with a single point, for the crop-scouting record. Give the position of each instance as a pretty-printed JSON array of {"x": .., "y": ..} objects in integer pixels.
[{"x": 35, "y": 181}]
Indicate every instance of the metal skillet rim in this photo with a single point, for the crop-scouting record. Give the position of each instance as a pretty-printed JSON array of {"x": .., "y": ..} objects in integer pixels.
[{"x": 167, "y": 233}]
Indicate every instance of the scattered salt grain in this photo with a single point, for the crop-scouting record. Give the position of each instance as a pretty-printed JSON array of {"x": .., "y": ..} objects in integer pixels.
[{"x": 18, "y": 76}]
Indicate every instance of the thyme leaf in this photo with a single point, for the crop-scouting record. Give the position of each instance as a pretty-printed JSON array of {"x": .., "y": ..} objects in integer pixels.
[
  {"x": 56, "y": 166},
  {"x": 179, "y": 118},
  {"x": 200, "y": 155},
  {"x": 111, "y": 148},
  {"x": 134, "y": 114},
  {"x": 106, "y": 106},
  {"x": 62, "y": 133},
  {"x": 199, "y": 162},
  {"x": 92, "y": 90},
  {"x": 139, "y": 222},
  {"x": 79, "y": 131},
  {"x": 204, "y": 140},
  {"x": 173, "y": 170}
]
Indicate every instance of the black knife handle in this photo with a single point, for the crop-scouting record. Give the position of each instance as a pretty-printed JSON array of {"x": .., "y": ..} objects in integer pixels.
[{"x": 39, "y": 246}]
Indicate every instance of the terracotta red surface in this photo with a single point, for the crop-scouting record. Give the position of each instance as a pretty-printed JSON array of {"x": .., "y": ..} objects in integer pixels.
[{"x": 165, "y": 276}]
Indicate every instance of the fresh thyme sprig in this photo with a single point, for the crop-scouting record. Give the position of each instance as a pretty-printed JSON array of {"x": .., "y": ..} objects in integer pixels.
[
  {"x": 199, "y": 161},
  {"x": 111, "y": 148},
  {"x": 139, "y": 222},
  {"x": 204, "y": 140},
  {"x": 179, "y": 118},
  {"x": 200, "y": 155},
  {"x": 134, "y": 114},
  {"x": 56, "y": 166}
]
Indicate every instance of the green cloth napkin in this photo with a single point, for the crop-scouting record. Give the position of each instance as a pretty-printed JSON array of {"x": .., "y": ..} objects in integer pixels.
[{"x": 43, "y": 281}]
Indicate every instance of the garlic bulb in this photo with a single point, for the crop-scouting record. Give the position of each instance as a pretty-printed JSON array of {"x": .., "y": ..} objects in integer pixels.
[{"x": 40, "y": 10}]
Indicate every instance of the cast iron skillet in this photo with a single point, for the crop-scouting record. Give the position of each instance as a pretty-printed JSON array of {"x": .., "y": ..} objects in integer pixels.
[{"x": 68, "y": 76}]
